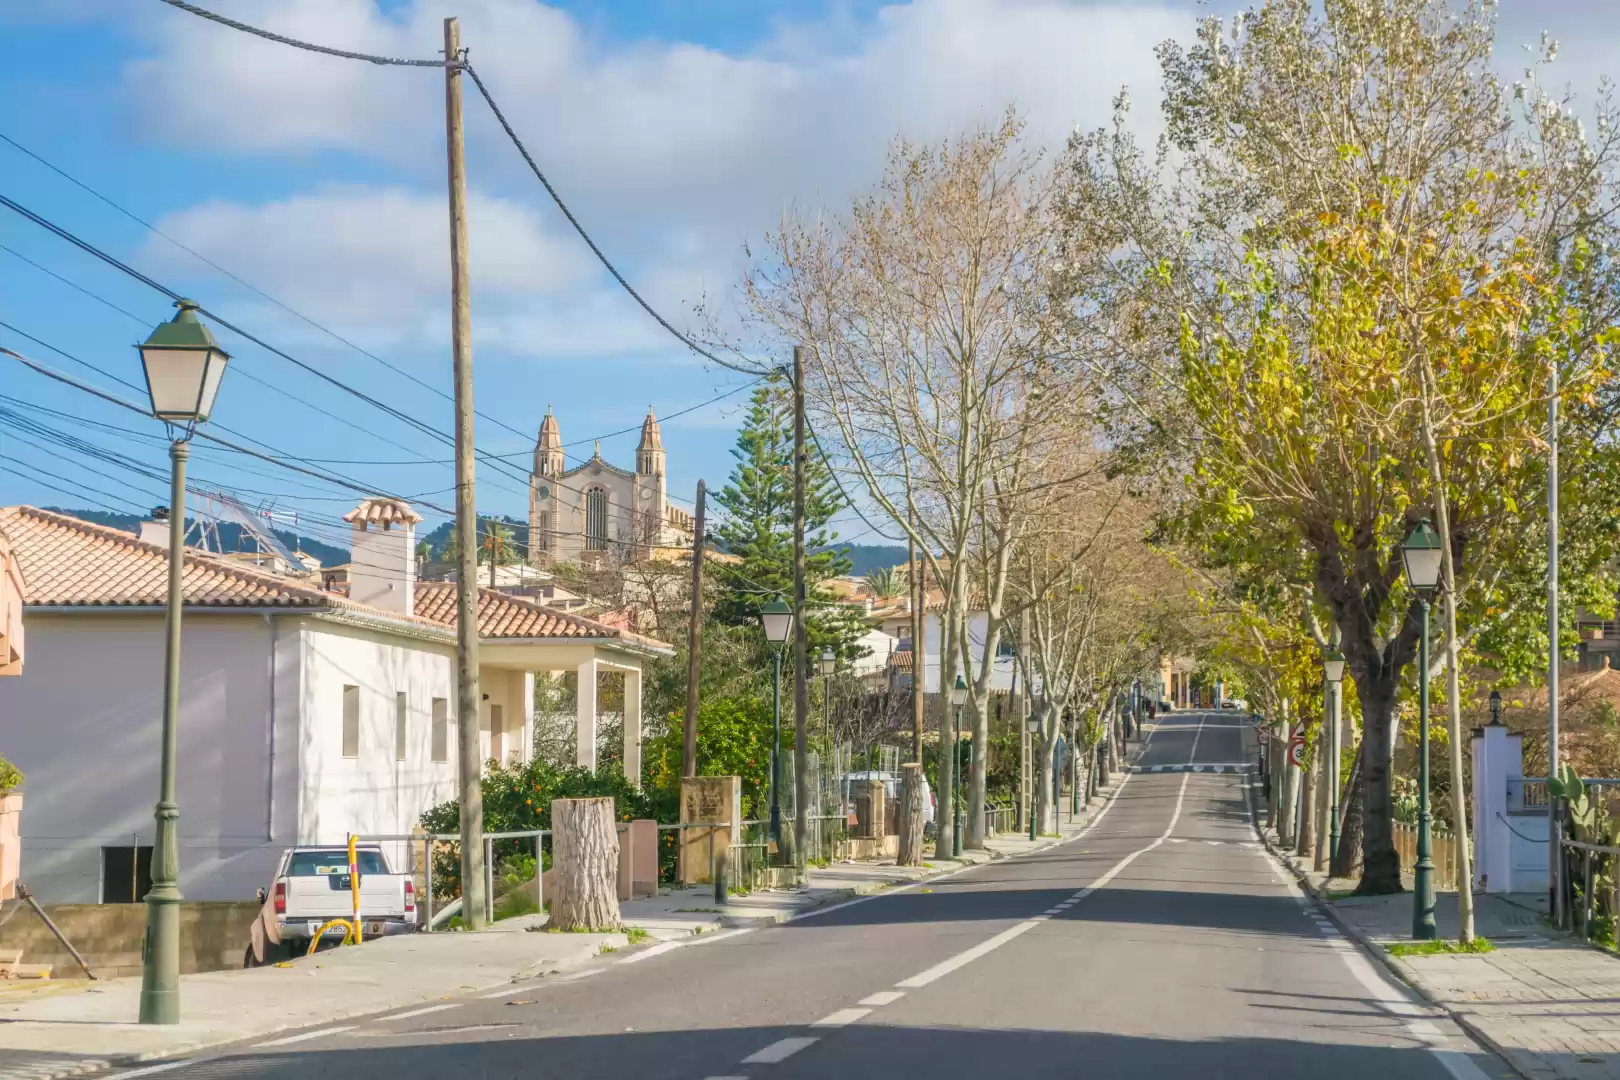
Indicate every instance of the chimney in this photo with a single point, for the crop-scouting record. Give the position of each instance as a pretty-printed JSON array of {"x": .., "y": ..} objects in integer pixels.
[
  {"x": 156, "y": 531},
  {"x": 382, "y": 554}
]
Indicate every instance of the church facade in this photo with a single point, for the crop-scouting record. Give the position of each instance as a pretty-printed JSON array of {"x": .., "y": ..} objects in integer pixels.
[{"x": 598, "y": 514}]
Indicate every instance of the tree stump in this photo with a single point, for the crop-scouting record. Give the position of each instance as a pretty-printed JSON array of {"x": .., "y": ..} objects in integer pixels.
[
  {"x": 910, "y": 816},
  {"x": 585, "y": 865}
]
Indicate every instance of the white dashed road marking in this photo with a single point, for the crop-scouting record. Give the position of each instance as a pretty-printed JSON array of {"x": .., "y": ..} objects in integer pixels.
[
  {"x": 883, "y": 997},
  {"x": 305, "y": 1037},
  {"x": 419, "y": 1012},
  {"x": 780, "y": 1050},
  {"x": 841, "y": 1018}
]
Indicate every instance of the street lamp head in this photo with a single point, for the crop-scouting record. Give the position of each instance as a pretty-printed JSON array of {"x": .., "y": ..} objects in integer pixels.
[
  {"x": 1033, "y": 723},
  {"x": 1420, "y": 551},
  {"x": 959, "y": 692},
  {"x": 1333, "y": 666},
  {"x": 777, "y": 619},
  {"x": 829, "y": 662},
  {"x": 184, "y": 365},
  {"x": 1496, "y": 706}
]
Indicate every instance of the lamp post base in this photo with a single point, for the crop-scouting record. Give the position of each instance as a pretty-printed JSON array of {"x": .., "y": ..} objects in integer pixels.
[{"x": 1423, "y": 924}]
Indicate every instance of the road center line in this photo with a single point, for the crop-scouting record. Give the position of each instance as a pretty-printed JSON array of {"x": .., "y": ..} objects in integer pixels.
[
  {"x": 962, "y": 959},
  {"x": 841, "y": 1018},
  {"x": 424, "y": 1011},
  {"x": 778, "y": 1051}
]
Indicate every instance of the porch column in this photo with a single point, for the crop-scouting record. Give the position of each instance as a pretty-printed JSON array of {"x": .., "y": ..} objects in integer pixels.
[
  {"x": 585, "y": 737},
  {"x": 632, "y": 727},
  {"x": 523, "y": 681}
]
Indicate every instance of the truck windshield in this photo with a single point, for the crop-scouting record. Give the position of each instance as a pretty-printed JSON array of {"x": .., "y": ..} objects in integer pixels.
[{"x": 321, "y": 863}]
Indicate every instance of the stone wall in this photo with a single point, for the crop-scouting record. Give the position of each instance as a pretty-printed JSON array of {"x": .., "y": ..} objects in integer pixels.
[{"x": 213, "y": 936}]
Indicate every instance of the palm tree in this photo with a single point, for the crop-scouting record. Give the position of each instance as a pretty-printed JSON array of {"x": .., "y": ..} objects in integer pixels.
[
  {"x": 497, "y": 547},
  {"x": 885, "y": 582}
]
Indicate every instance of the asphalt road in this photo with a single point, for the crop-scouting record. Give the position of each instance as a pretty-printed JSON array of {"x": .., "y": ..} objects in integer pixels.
[{"x": 1163, "y": 942}]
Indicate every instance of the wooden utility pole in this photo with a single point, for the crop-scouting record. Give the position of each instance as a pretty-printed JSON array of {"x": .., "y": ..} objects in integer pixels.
[
  {"x": 916, "y": 580},
  {"x": 468, "y": 721},
  {"x": 694, "y": 642},
  {"x": 801, "y": 688}
]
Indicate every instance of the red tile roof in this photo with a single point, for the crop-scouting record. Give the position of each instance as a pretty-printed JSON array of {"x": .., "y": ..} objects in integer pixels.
[
  {"x": 503, "y": 616},
  {"x": 66, "y": 562}
]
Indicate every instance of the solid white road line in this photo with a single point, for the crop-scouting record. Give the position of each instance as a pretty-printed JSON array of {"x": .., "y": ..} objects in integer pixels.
[
  {"x": 883, "y": 997},
  {"x": 305, "y": 1037},
  {"x": 778, "y": 1051},
  {"x": 656, "y": 950},
  {"x": 421, "y": 1012},
  {"x": 841, "y": 1018},
  {"x": 962, "y": 959},
  {"x": 151, "y": 1070}
]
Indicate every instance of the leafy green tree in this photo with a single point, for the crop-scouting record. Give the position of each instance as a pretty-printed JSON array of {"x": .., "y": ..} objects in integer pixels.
[
  {"x": 758, "y": 528},
  {"x": 734, "y": 739}
]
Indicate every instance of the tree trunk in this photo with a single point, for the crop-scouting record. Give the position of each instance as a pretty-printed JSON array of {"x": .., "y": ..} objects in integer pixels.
[
  {"x": 1324, "y": 770},
  {"x": 1349, "y": 824},
  {"x": 910, "y": 816},
  {"x": 944, "y": 818},
  {"x": 977, "y": 716},
  {"x": 1380, "y": 863},
  {"x": 1041, "y": 769},
  {"x": 585, "y": 864},
  {"x": 1307, "y": 805}
]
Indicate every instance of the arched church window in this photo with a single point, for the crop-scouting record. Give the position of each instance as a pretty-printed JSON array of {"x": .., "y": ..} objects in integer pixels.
[{"x": 596, "y": 518}]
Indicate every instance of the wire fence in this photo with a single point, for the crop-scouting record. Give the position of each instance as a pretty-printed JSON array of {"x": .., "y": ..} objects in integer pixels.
[{"x": 1591, "y": 890}]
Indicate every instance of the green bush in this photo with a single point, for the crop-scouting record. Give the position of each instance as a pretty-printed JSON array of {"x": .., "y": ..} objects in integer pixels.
[{"x": 11, "y": 777}]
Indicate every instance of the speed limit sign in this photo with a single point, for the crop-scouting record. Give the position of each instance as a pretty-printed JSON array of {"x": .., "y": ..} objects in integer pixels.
[{"x": 1296, "y": 748}]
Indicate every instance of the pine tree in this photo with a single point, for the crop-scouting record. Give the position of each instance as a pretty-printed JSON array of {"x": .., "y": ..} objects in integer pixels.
[{"x": 758, "y": 527}]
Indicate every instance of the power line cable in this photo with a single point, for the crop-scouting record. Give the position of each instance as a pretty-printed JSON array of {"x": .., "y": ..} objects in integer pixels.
[{"x": 281, "y": 39}]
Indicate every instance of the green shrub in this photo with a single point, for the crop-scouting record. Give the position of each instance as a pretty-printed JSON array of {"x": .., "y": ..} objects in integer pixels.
[{"x": 11, "y": 777}]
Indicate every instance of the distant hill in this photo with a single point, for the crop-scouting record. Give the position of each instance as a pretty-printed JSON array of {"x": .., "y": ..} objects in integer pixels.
[
  {"x": 869, "y": 557},
  {"x": 439, "y": 539},
  {"x": 230, "y": 534}
]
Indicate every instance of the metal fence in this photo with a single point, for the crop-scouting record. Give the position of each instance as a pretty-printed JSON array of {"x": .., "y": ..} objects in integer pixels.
[
  {"x": 1000, "y": 819},
  {"x": 1592, "y": 889}
]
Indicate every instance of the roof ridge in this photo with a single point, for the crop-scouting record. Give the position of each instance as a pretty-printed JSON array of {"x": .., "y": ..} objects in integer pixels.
[{"x": 119, "y": 536}]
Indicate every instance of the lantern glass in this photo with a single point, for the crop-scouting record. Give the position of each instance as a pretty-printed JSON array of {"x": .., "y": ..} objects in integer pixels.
[
  {"x": 1033, "y": 723},
  {"x": 959, "y": 692},
  {"x": 1333, "y": 667},
  {"x": 829, "y": 662},
  {"x": 777, "y": 619},
  {"x": 1420, "y": 551},
  {"x": 184, "y": 366}
]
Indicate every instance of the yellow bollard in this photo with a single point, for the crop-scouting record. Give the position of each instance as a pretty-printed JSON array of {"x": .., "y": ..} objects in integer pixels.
[
  {"x": 350, "y": 932},
  {"x": 354, "y": 888}
]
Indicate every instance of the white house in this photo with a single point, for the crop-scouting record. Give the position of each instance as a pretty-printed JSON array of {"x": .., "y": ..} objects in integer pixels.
[{"x": 305, "y": 715}]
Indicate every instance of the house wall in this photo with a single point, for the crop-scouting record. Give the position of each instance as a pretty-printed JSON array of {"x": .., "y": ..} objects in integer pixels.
[
  {"x": 513, "y": 692},
  {"x": 374, "y": 793},
  {"x": 978, "y": 625},
  {"x": 83, "y": 722}
]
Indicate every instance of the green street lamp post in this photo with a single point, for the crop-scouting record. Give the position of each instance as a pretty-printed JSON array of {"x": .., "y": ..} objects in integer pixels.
[
  {"x": 829, "y": 665},
  {"x": 183, "y": 365},
  {"x": 776, "y": 618},
  {"x": 958, "y": 696},
  {"x": 1333, "y": 672},
  {"x": 1033, "y": 723},
  {"x": 1421, "y": 553}
]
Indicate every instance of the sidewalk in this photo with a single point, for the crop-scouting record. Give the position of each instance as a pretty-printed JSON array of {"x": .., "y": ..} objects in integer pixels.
[
  {"x": 1544, "y": 1001},
  {"x": 80, "y": 1029}
]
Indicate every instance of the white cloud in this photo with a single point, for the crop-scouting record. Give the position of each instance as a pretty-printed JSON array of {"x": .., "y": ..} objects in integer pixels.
[
  {"x": 366, "y": 258},
  {"x": 672, "y": 153}
]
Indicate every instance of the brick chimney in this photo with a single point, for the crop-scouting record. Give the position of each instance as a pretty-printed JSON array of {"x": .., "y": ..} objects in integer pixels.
[{"x": 382, "y": 554}]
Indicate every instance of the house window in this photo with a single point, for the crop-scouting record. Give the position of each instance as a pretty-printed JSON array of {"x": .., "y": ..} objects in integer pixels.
[
  {"x": 402, "y": 725},
  {"x": 441, "y": 729},
  {"x": 596, "y": 519},
  {"x": 126, "y": 874},
  {"x": 497, "y": 733},
  {"x": 351, "y": 721}
]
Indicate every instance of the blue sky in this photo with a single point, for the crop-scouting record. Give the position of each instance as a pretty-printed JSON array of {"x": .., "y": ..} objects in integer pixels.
[{"x": 679, "y": 130}]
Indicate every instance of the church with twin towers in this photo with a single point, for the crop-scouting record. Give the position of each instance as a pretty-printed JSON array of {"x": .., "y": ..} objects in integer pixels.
[{"x": 597, "y": 514}]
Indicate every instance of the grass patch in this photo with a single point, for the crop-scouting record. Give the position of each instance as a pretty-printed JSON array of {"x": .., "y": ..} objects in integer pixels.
[
  {"x": 1439, "y": 948},
  {"x": 605, "y": 949},
  {"x": 697, "y": 911},
  {"x": 636, "y": 934}
]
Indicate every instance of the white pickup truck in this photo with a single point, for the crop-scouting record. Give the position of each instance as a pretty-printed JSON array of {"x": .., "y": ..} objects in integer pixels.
[{"x": 312, "y": 886}]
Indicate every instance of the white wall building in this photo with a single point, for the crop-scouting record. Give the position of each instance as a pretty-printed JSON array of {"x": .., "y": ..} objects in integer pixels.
[{"x": 305, "y": 715}]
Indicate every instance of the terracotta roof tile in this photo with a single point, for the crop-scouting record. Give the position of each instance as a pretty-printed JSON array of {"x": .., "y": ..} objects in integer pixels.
[
  {"x": 66, "y": 562},
  {"x": 503, "y": 616}
]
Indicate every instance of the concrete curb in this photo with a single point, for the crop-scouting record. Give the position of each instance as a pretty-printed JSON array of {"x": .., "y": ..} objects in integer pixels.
[{"x": 1397, "y": 967}]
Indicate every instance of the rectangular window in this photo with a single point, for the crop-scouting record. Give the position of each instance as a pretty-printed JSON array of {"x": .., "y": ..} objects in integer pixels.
[
  {"x": 126, "y": 874},
  {"x": 441, "y": 729},
  {"x": 351, "y": 721},
  {"x": 402, "y": 725},
  {"x": 497, "y": 734}
]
